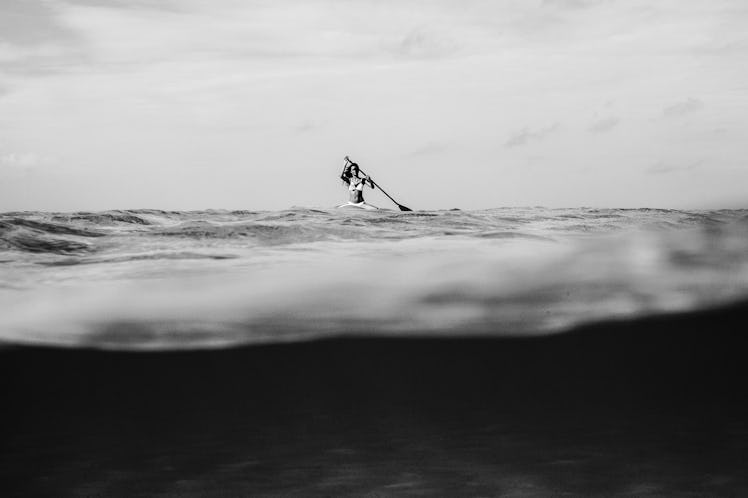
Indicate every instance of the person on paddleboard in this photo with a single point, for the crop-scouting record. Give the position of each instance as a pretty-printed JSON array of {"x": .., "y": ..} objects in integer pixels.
[{"x": 356, "y": 181}]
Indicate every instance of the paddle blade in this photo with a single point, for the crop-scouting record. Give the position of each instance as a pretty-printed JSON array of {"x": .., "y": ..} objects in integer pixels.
[{"x": 402, "y": 208}]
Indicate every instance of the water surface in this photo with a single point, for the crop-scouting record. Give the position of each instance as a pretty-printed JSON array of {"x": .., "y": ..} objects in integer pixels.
[{"x": 147, "y": 279}]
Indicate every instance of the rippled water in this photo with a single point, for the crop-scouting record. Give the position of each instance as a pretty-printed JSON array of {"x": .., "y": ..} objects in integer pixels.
[{"x": 155, "y": 279}]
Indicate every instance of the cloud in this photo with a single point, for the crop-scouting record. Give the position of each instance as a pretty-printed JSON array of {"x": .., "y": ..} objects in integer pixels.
[
  {"x": 306, "y": 127},
  {"x": 429, "y": 149},
  {"x": 113, "y": 34},
  {"x": 526, "y": 135},
  {"x": 30, "y": 22},
  {"x": 661, "y": 167},
  {"x": 165, "y": 5},
  {"x": 33, "y": 40},
  {"x": 682, "y": 108},
  {"x": 196, "y": 33},
  {"x": 571, "y": 4},
  {"x": 21, "y": 160},
  {"x": 603, "y": 125},
  {"x": 423, "y": 44}
]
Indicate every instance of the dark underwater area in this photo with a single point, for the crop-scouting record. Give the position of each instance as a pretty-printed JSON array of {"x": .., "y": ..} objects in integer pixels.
[{"x": 655, "y": 406}]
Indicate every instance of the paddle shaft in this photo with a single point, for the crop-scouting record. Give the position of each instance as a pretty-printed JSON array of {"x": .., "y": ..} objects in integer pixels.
[{"x": 402, "y": 208}]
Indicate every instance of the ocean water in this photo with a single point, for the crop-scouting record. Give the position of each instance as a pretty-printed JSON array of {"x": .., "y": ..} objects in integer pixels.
[
  {"x": 318, "y": 352},
  {"x": 147, "y": 279}
]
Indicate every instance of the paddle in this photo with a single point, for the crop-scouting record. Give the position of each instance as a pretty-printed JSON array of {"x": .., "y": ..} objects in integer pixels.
[{"x": 402, "y": 208}]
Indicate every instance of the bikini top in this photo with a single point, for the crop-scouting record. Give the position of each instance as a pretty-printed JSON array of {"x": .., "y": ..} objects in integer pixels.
[{"x": 356, "y": 186}]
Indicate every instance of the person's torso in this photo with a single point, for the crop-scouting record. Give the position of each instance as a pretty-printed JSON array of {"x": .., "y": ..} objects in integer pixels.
[{"x": 356, "y": 183}]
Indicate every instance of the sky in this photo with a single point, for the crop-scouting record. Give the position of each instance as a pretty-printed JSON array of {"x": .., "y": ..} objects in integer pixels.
[{"x": 195, "y": 104}]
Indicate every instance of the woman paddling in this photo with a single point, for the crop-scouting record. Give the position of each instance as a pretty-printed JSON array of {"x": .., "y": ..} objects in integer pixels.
[{"x": 356, "y": 185}]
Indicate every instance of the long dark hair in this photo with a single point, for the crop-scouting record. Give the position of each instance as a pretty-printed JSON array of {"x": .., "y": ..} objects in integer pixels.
[{"x": 347, "y": 175}]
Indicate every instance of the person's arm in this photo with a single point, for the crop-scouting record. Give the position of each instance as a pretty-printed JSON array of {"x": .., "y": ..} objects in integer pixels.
[
  {"x": 345, "y": 169},
  {"x": 367, "y": 178}
]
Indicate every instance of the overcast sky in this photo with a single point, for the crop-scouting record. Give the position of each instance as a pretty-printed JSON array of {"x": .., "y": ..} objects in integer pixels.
[{"x": 196, "y": 104}]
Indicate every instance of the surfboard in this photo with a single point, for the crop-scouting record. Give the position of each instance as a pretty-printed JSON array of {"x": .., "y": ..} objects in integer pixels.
[{"x": 360, "y": 205}]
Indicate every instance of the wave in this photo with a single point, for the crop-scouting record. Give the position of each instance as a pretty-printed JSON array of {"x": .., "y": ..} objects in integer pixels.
[
  {"x": 42, "y": 227},
  {"x": 106, "y": 218},
  {"x": 303, "y": 224},
  {"x": 264, "y": 233},
  {"x": 38, "y": 244},
  {"x": 136, "y": 257},
  {"x": 220, "y": 278},
  {"x": 35, "y": 237}
]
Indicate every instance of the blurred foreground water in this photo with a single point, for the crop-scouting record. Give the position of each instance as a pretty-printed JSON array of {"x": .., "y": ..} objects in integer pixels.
[
  {"x": 149, "y": 279},
  {"x": 509, "y": 352}
]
